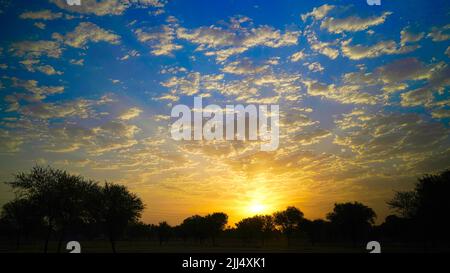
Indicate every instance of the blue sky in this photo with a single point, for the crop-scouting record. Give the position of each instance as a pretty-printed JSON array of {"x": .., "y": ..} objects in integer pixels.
[{"x": 363, "y": 95}]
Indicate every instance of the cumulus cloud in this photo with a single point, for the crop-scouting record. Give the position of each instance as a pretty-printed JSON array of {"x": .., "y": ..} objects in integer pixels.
[
  {"x": 410, "y": 69},
  {"x": 297, "y": 56},
  {"x": 323, "y": 48},
  {"x": 404, "y": 136},
  {"x": 314, "y": 66},
  {"x": 408, "y": 36},
  {"x": 107, "y": 7},
  {"x": 131, "y": 113},
  {"x": 243, "y": 67},
  {"x": 35, "y": 49},
  {"x": 186, "y": 85},
  {"x": 225, "y": 42},
  {"x": 318, "y": 13},
  {"x": 9, "y": 142},
  {"x": 359, "y": 51},
  {"x": 46, "y": 110},
  {"x": 311, "y": 137},
  {"x": 352, "y": 23},
  {"x": 437, "y": 80},
  {"x": 349, "y": 94},
  {"x": 34, "y": 65},
  {"x": 38, "y": 92},
  {"x": 439, "y": 34},
  {"x": 87, "y": 32},
  {"x": 441, "y": 113},
  {"x": 98, "y": 140},
  {"x": 160, "y": 40},
  {"x": 41, "y": 15}
]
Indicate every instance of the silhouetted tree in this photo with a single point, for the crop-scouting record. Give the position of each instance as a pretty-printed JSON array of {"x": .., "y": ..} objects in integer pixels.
[
  {"x": 404, "y": 203},
  {"x": 317, "y": 230},
  {"x": 119, "y": 207},
  {"x": 139, "y": 230},
  {"x": 164, "y": 231},
  {"x": 427, "y": 206},
  {"x": 215, "y": 223},
  {"x": 395, "y": 228},
  {"x": 58, "y": 196},
  {"x": 195, "y": 227},
  {"x": 18, "y": 215},
  {"x": 257, "y": 227},
  {"x": 352, "y": 220},
  {"x": 288, "y": 221}
]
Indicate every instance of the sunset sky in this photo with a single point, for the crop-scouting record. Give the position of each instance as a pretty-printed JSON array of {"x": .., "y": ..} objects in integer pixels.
[{"x": 363, "y": 94}]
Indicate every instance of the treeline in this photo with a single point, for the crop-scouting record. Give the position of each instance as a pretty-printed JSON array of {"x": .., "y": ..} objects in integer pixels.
[{"x": 52, "y": 205}]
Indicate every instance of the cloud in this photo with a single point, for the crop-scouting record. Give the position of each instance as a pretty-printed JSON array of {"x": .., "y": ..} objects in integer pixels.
[
  {"x": 40, "y": 25},
  {"x": 321, "y": 47},
  {"x": 35, "y": 49},
  {"x": 41, "y": 15},
  {"x": 34, "y": 65},
  {"x": 318, "y": 13},
  {"x": 98, "y": 140},
  {"x": 243, "y": 67},
  {"x": 349, "y": 94},
  {"x": 297, "y": 56},
  {"x": 407, "y": 36},
  {"x": 225, "y": 42},
  {"x": 78, "y": 108},
  {"x": 312, "y": 137},
  {"x": 87, "y": 32},
  {"x": 38, "y": 92},
  {"x": 9, "y": 142},
  {"x": 407, "y": 137},
  {"x": 352, "y": 23},
  {"x": 188, "y": 85},
  {"x": 357, "y": 52},
  {"x": 315, "y": 66},
  {"x": 441, "y": 113},
  {"x": 109, "y": 7},
  {"x": 440, "y": 34},
  {"x": 131, "y": 113},
  {"x": 407, "y": 69},
  {"x": 160, "y": 40},
  {"x": 438, "y": 80}
]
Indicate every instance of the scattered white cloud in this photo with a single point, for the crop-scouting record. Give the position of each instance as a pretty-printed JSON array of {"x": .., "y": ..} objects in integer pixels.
[
  {"x": 297, "y": 56},
  {"x": 225, "y": 42},
  {"x": 359, "y": 51},
  {"x": 131, "y": 113},
  {"x": 439, "y": 34},
  {"x": 318, "y": 13},
  {"x": 41, "y": 15},
  {"x": 408, "y": 36},
  {"x": 352, "y": 23},
  {"x": 87, "y": 32},
  {"x": 160, "y": 40}
]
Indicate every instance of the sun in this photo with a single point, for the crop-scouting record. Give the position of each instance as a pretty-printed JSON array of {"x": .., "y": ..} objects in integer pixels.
[{"x": 256, "y": 208}]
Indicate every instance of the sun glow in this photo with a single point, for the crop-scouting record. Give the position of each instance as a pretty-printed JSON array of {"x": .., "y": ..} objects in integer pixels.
[{"x": 256, "y": 208}]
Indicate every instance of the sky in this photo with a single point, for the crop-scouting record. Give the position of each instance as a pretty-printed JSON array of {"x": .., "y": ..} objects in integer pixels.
[{"x": 363, "y": 92}]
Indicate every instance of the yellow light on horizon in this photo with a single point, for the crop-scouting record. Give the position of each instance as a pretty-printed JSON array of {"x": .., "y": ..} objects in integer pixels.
[{"x": 256, "y": 208}]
